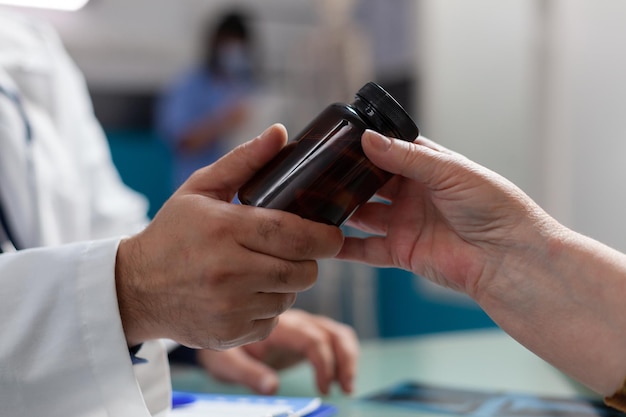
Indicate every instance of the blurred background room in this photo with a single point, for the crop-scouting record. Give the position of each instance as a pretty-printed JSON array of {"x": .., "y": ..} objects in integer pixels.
[{"x": 533, "y": 89}]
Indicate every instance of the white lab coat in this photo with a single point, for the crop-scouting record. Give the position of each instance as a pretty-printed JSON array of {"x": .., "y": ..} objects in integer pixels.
[{"x": 62, "y": 347}]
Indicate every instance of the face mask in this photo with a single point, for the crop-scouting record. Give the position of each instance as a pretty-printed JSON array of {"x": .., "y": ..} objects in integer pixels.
[{"x": 233, "y": 60}]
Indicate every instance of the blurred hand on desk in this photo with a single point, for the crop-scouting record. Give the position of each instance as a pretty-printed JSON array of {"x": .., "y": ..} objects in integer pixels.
[{"x": 331, "y": 348}]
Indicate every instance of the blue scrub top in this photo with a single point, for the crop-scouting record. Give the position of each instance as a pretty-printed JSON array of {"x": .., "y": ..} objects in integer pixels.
[{"x": 195, "y": 96}]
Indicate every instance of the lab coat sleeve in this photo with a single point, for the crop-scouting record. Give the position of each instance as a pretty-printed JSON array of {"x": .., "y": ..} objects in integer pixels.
[{"x": 62, "y": 347}]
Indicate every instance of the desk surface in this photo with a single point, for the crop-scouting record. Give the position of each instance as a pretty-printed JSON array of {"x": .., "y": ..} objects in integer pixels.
[{"x": 475, "y": 359}]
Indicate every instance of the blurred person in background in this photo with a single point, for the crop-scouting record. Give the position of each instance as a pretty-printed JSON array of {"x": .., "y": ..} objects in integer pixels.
[{"x": 203, "y": 109}]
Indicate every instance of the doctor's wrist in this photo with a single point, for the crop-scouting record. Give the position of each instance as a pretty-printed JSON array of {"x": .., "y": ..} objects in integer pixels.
[{"x": 134, "y": 313}]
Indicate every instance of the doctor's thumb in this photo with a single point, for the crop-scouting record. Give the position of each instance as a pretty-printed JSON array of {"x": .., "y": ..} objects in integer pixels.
[{"x": 224, "y": 178}]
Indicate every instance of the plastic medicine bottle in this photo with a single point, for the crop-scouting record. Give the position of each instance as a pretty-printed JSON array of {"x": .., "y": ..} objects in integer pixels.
[{"x": 323, "y": 174}]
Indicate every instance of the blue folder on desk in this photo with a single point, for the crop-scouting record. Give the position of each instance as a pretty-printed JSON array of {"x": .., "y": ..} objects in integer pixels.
[{"x": 186, "y": 404}]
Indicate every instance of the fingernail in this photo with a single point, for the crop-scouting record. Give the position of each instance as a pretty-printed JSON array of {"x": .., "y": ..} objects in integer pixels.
[
  {"x": 379, "y": 142},
  {"x": 268, "y": 384}
]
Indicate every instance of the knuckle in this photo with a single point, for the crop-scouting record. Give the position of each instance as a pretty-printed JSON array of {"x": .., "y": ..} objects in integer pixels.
[
  {"x": 282, "y": 303},
  {"x": 197, "y": 175},
  {"x": 217, "y": 276},
  {"x": 222, "y": 222},
  {"x": 203, "y": 339},
  {"x": 335, "y": 327},
  {"x": 279, "y": 304},
  {"x": 269, "y": 226},
  {"x": 302, "y": 245},
  {"x": 307, "y": 277},
  {"x": 283, "y": 272},
  {"x": 235, "y": 334},
  {"x": 218, "y": 343},
  {"x": 347, "y": 332},
  {"x": 288, "y": 301},
  {"x": 298, "y": 276},
  {"x": 316, "y": 340}
]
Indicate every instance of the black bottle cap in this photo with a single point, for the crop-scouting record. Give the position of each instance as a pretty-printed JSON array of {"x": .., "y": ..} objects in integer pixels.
[{"x": 389, "y": 108}]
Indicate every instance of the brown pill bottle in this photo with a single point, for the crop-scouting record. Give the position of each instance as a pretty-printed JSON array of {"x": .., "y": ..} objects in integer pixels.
[{"x": 323, "y": 174}]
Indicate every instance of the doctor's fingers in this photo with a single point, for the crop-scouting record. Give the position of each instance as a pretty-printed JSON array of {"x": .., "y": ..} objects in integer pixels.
[
  {"x": 287, "y": 236},
  {"x": 229, "y": 322},
  {"x": 239, "y": 315},
  {"x": 267, "y": 274},
  {"x": 237, "y": 334}
]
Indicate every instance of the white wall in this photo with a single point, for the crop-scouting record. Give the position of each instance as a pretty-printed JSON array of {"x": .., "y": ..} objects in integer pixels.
[
  {"x": 140, "y": 44},
  {"x": 535, "y": 90},
  {"x": 588, "y": 130},
  {"x": 478, "y": 77}
]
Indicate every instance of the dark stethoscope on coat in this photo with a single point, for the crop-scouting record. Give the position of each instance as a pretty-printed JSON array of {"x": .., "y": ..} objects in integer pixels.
[{"x": 7, "y": 237}]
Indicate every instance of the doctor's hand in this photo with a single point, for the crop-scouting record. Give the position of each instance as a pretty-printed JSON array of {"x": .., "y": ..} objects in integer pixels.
[
  {"x": 210, "y": 274},
  {"x": 331, "y": 347}
]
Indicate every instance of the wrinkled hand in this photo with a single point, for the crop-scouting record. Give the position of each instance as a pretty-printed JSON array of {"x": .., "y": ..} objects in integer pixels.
[
  {"x": 445, "y": 218},
  {"x": 210, "y": 274},
  {"x": 331, "y": 348},
  {"x": 559, "y": 293}
]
